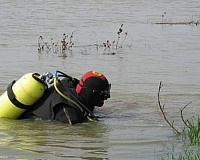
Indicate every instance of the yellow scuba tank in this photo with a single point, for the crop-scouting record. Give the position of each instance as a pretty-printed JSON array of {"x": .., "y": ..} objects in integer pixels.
[{"x": 20, "y": 95}]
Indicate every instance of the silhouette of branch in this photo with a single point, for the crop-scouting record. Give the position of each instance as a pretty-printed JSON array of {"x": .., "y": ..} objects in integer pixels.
[
  {"x": 171, "y": 124},
  {"x": 186, "y": 122}
]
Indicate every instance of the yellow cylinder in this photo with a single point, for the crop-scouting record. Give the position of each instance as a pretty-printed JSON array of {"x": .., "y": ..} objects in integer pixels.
[{"x": 27, "y": 90}]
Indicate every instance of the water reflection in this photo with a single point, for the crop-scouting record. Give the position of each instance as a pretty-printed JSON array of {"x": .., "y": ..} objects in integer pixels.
[
  {"x": 131, "y": 126},
  {"x": 53, "y": 139}
]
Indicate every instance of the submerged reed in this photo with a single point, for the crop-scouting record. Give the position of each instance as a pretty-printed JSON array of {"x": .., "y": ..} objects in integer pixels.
[
  {"x": 192, "y": 132},
  {"x": 191, "y": 139},
  {"x": 189, "y": 155},
  {"x": 190, "y": 143}
]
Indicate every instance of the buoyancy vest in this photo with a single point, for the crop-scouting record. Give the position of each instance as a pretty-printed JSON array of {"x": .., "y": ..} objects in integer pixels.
[{"x": 46, "y": 106}]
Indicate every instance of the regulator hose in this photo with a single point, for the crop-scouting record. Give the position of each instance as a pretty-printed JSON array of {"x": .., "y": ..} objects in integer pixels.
[{"x": 79, "y": 104}]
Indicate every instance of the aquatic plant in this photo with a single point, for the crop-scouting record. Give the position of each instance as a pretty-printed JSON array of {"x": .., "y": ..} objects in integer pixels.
[
  {"x": 57, "y": 47},
  {"x": 181, "y": 23},
  {"x": 108, "y": 45},
  {"x": 113, "y": 46},
  {"x": 65, "y": 45},
  {"x": 189, "y": 154},
  {"x": 42, "y": 44},
  {"x": 163, "y": 15},
  {"x": 193, "y": 129},
  {"x": 169, "y": 22},
  {"x": 119, "y": 36},
  {"x": 190, "y": 134}
]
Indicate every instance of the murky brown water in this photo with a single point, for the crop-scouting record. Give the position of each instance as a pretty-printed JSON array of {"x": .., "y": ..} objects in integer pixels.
[{"x": 130, "y": 127}]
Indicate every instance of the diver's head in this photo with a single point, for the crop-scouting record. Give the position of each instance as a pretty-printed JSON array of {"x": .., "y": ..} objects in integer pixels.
[{"x": 93, "y": 88}]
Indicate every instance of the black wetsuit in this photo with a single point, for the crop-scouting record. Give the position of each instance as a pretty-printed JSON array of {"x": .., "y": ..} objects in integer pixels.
[{"x": 52, "y": 106}]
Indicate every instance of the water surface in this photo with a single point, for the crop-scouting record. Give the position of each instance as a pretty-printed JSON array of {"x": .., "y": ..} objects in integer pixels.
[{"x": 130, "y": 125}]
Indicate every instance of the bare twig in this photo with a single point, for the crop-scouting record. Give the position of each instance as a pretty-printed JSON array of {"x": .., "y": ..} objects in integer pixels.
[
  {"x": 118, "y": 33},
  {"x": 162, "y": 111},
  {"x": 123, "y": 40},
  {"x": 185, "y": 121},
  {"x": 40, "y": 43},
  {"x": 180, "y": 23}
]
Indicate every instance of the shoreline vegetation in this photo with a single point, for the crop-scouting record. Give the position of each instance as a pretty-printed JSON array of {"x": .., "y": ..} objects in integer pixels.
[
  {"x": 190, "y": 134},
  {"x": 110, "y": 47},
  {"x": 164, "y": 21},
  {"x": 180, "y": 23},
  {"x": 66, "y": 44}
]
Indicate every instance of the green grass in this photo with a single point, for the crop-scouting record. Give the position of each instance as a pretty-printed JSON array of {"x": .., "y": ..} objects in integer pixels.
[
  {"x": 190, "y": 144},
  {"x": 191, "y": 139},
  {"x": 191, "y": 153},
  {"x": 192, "y": 133}
]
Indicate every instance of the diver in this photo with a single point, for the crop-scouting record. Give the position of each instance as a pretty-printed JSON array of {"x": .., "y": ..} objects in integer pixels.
[{"x": 70, "y": 100}]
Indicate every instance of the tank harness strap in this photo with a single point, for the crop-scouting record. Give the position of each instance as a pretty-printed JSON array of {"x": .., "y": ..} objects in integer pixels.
[
  {"x": 12, "y": 98},
  {"x": 66, "y": 97}
]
